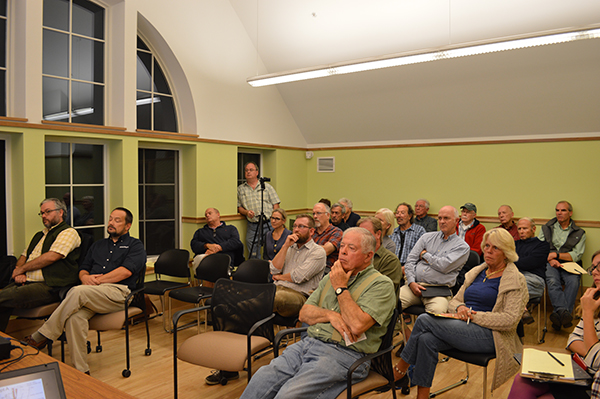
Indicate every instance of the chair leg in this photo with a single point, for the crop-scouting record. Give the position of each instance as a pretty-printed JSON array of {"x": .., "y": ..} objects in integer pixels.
[{"x": 461, "y": 382}]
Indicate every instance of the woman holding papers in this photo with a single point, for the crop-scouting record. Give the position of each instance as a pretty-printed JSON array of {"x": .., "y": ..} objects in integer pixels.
[
  {"x": 584, "y": 340},
  {"x": 483, "y": 319}
]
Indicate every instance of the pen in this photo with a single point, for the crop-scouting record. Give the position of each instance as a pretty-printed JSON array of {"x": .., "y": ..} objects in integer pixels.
[
  {"x": 553, "y": 357},
  {"x": 469, "y": 319}
]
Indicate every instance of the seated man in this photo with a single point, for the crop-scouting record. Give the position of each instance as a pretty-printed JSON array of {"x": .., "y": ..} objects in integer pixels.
[
  {"x": 348, "y": 315},
  {"x": 422, "y": 218},
  {"x": 297, "y": 268},
  {"x": 407, "y": 233},
  {"x": 108, "y": 274},
  {"x": 384, "y": 260},
  {"x": 506, "y": 215},
  {"x": 469, "y": 229},
  {"x": 567, "y": 244},
  {"x": 350, "y": 217},
  {"x": 436, "y": 259},
  {"x": 48, "y": 264},
  {"x": 533, "y": 255},
  {"x": 325, "y": 234},
  {"x": 337, "y": 216},
  {"x": 215, "y": 237}
]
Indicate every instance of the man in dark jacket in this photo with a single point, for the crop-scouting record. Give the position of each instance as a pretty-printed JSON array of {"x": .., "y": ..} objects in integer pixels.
[
  {"x": 48, "y": 264},
  {"x": 567, "y": 244},
  {"x": 216, "y": 237}
]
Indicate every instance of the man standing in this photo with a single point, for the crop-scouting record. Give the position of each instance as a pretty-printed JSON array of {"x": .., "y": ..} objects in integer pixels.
[
  {"x": 337, "y": 216},
  {"x": 297, "y": 268},
  {"x": 506, "y": 215},
  {"x": 384, "y": 261},
  {"x": 436, "y": 259},
  {"x": 249, "y": 205},
  {"x": 567, "y": 244},
  {"x": 48, "y": 264},
  {"x": 216, "y": 237},
  {"x": 348, "y": 315},
  {"x": 350, "y": 217},
  {"x": 533, "y": 255},
  {"x": 422, "y": 218},
  {"x": 406, "y": 234},
  {"x": 108, "y": 274},
  {"x": 469, "y": 228},
  {"x": 325, "y": 234}
]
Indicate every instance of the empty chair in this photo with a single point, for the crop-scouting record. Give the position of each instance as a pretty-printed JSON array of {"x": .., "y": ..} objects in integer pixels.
[
  {"x": 171, "y": 263},
  {"x": 242, "y": 326},
  {"x": 253, "y": 271}
]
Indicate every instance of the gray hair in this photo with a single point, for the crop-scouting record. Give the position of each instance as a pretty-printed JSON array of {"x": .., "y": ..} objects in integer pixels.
[
  {"x": 367, "y": 240},
  {"x": 427, "y": 204},
  {"x": 338, "y": 205},
  {"x": 58, "y": 204},
  {"x": 327, "y": 208},
  {"x": 530, "y": 220},
  {"x": 569, "y": 206},
  {"x": 347, "y": 202},
  {"x": 377, "y": 225}
]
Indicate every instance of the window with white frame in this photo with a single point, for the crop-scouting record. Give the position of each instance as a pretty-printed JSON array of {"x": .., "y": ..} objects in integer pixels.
[
  {"x": 3, "y": 70},
  {"x": 75, "y": 174},
  {"x": 154, "y": 102},
  {"x": 73, "y": 61}
]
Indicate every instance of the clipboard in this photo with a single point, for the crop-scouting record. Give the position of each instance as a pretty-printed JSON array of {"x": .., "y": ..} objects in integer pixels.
[
  {"x": 573, "y": 268},
  {"x": 542, "y": 365},
  {"x": 432, "y": 291}
]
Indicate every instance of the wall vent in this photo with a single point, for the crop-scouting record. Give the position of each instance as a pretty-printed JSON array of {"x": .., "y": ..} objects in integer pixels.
[{"x": 326, "y": 164}]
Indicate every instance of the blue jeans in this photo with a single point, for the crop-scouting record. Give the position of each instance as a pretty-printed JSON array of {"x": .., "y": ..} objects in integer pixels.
[
  {"x": 310, "y": 369},
  {"x": 250, "y": 234},
  {"x": 560, "y": 299},
  {"x": 535, "y": 285},
  {"x": 431, "y": 334}
]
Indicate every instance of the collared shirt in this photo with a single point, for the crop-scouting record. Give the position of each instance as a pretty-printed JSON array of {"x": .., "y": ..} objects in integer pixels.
[
  {"x": 105, "y": 255},
  {"x": 440, "y": 264},
  {"x": 462, "y": 229},
  {"x": 411, "y": 236},
  {"x": 378, "y": 300},
  {"x": 333, "y": 235},
  {"x": 66, "y": 241},
  {"x": 428, "y": 223},
  {"x": 513, "y": 230},
  {"x": 388, "y": 264},
  {"x": 305, "y": 265},
  {"x": 559, "y": 237},
  {"x": 249, "y": 199}
]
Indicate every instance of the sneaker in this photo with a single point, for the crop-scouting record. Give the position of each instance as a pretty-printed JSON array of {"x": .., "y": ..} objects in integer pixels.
[
  {"x": 218, "y": 377},
  {"x": 527, "y": 317},
  {"x": 566, "y": 319},
  {"x": 556, "y": 321}
]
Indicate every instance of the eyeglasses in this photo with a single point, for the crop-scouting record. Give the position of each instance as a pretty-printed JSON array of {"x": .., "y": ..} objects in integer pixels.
[
  {"x": 249, "y": 170},
  {"x": 45, "y": 213},
  {"x": 591, "y": 269},
  {"x": 274, "y": 218},
  {"x": 300, "y": 226},
  {"x": 319, "y": 213}
]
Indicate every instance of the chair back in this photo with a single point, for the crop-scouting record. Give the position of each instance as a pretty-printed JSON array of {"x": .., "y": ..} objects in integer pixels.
[
  {"x": 236, "y": 306},
  {"x": 173, "y": 262},
  {"x": 139, "y": 300},
  {"x": 253, "y": 271},
  {"x": 213, "y": 267},
  {"x": 472, "y": 261},
  {"x": 86, "y": 242},
  {"x": 383, "y": 364}
]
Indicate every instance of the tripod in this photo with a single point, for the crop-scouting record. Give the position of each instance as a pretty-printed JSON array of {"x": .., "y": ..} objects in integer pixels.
[{"x": 262, "y": 220}]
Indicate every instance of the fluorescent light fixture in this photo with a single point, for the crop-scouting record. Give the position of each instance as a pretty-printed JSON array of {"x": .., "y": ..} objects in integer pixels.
[
  {"x": 415, "y": 58},
  {"x": 146, "y": 101},
  {"x": 65, "y": 115}
]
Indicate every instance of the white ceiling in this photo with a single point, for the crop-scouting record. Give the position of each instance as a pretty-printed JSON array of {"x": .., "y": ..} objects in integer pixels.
[{"x": 538, "y": 92}]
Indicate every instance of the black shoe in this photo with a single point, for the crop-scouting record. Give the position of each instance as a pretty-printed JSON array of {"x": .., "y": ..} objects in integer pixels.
[
  {"x": 527, "y": 318},
  {"x": 221, "y": 377},
  {"x": 556, "y": 321},
  {"x": 403, "y": 384},
  {"x": 566, "y": 319}
]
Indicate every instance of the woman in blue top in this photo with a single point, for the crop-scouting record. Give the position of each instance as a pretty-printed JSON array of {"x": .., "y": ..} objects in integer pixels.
[
  {"x": 483, "y": 318},
  {"x": 276, "y": 238}
]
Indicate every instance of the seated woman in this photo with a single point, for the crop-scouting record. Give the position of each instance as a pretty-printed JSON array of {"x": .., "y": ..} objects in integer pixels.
[
  {"x": 486, "y": 311},
  {"x": 387, "y": 220},
  {"x": 584, "y": 340},
  {"x": 275, "y": 239}
]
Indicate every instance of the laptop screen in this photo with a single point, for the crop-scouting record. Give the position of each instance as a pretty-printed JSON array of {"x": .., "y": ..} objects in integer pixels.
[{"x": 43, "y": 381}]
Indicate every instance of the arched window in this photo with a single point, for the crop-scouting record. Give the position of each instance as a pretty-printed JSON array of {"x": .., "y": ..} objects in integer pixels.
[
  {"x": 154, "y": 100},
  {"x": 73, "y": 62}
]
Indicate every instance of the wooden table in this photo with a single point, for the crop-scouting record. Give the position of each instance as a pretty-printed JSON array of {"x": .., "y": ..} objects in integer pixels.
[{"x": 77, "y": 384}]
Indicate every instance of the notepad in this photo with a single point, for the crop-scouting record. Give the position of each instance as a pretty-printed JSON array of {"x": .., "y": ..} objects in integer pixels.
[
  {"x": 573, "y": 268},
  {"x": 540, "y": 363}
]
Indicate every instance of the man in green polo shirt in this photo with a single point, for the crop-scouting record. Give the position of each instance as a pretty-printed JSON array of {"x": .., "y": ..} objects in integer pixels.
[
  {"x": 348, "y": 315},
  {"x": 48, "y": 264}
]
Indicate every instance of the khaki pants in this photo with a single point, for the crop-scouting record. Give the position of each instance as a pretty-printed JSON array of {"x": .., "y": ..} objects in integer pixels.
[
  {"x": 438, "y": 304},
  {"x": 288, "y": 302}
]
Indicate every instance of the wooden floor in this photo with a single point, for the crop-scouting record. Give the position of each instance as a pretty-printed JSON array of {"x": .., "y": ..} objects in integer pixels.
[{"x": 152, "y": 376}]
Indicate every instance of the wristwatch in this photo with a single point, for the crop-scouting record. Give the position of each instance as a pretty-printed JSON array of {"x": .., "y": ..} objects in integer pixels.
[{"x": 339, "y": 291}]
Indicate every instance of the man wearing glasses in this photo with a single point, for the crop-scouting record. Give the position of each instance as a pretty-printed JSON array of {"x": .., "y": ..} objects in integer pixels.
[
  {"x": 48, "y": 264},
  {"x": 249, "y": 205},
  {"x": 297, "y": 268},
  {"x": 325, "y": 234}
]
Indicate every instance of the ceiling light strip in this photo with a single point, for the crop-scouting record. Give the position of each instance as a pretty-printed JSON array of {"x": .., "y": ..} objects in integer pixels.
[{"x": 399, "y": 60}]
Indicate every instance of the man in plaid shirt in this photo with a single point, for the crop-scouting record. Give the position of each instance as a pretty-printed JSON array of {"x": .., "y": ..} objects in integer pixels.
[{"x": 48, "y": 264}]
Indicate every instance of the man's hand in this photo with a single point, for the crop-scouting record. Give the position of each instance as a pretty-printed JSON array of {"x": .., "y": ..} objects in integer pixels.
[
  {"x": 338, "y": 276},
  {"x": 18, "y": 271},
  {"x": 20, "y": 279},
  {"x": 416, "y": 289},
  {"x": 421, "y": 255},
  {"x": 283, "y": 277},
  {"x": 90, "y": 279},
  {"x": 554, "y": 263},
  {"x": 214, "y": 248},
  {"x": 552, "y": 256},
  {"x": 291, "y": 239},
  {"x": 251, "y": 214},
  {"x": 338, "y": 323}
]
